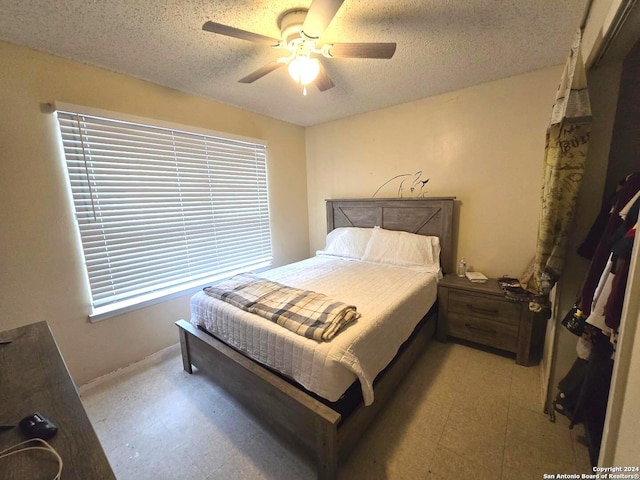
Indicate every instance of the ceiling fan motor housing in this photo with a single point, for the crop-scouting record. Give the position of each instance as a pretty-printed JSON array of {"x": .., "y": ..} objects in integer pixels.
[{"x": 290, "y": 24}]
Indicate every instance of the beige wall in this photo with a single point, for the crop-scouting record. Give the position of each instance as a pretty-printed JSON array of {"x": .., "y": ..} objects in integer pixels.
[
  {"x": 484, "y": 145},
  {"x": 41, "y": 276}
]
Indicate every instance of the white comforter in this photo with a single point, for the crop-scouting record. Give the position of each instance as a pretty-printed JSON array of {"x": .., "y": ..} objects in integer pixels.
[{"x": 391, "y": 299}]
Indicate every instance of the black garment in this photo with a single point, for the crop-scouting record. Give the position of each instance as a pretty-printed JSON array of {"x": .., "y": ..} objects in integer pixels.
[
  {"x": 584, "y": 392},
  {"x": 569, "y": 388},
  {"x": 588, "y": 246}
]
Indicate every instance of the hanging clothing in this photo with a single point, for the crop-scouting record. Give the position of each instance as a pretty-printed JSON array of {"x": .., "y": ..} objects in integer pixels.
[
  {"x": 629, "y": 189},
  {"x": 584, "y": 391},
  {"x": 601, "y": 295},
  {"x": 631, "y": 207},
  {"x": 588, "y": 246},
  {"x": 622, "y": 251},
  {"x": 591, "y": 405},
  {"x": 569, "y": 388}
]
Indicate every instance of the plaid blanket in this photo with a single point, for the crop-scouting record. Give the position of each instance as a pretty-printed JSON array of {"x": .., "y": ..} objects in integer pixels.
[{"x": 307, "y": 313}]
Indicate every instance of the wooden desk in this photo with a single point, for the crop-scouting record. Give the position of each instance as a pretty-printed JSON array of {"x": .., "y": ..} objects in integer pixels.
[{"x": 34, "y": 378}]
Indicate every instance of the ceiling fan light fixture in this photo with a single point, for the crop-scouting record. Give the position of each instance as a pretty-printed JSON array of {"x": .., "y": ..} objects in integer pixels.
[
  {"x": 304, "y": 70},
  {"x": 300, "y": 33}
]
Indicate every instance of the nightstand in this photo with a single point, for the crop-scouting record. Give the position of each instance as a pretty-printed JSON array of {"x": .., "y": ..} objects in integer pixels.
[{"x": 480, "y": 313}]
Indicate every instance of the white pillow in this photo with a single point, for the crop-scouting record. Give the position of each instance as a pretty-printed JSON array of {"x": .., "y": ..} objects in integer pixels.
[
  {"x": 403, "y": 248},
  {"x": 349, "y": 242}
]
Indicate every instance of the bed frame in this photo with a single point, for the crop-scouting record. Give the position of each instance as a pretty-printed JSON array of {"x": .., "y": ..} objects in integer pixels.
[{"x": 296, "y": 416}]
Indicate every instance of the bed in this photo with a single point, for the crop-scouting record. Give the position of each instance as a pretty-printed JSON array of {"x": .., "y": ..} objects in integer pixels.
[{"x": 325, "y": 410}]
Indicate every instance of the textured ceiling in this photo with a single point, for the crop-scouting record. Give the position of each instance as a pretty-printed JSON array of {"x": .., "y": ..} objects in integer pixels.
[{"x": 443, "y": 45}]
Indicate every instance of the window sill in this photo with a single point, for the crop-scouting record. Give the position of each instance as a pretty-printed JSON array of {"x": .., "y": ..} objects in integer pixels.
[{"x": 142, "y": 301}]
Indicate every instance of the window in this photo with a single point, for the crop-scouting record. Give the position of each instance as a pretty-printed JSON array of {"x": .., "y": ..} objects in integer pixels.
[{"x": 162, "y": 210}]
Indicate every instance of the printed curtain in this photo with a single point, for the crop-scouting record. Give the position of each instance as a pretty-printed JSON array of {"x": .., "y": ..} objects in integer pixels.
[{"x": 567, "y": 141}]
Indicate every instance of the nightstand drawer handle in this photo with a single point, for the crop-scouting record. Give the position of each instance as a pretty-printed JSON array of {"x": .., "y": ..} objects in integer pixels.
[
  {"x": 485, "y": 330},
  {"x": 489, "y": 311}
]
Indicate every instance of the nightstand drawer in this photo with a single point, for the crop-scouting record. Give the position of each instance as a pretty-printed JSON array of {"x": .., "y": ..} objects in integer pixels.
[
  {"x": 484, "y": 307},
  {"x": 480, "y": 330}
]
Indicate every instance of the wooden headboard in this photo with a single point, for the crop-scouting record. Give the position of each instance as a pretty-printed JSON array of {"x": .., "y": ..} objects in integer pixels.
[{"x": 424, "y": 216}]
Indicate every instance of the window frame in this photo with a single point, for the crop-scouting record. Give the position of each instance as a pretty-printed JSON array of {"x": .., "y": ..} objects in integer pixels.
[{"x": 109, "y": 309}]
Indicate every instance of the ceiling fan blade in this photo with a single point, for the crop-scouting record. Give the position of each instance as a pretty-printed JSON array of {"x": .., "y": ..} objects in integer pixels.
[
  {"x": 320, "y": 14},
  {"x": 261, "y": 72},
  {"x": 237, "y": 33},
  {"x": 323, "y": 81},
  {"x": 362, "y": 50}
]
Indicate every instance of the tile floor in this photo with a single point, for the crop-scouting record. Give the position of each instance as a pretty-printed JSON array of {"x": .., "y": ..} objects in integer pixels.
[{"x": 464, "y": 413}]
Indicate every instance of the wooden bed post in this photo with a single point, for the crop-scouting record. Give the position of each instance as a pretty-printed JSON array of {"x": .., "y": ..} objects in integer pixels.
[
  {"x": 186, "y": 354},
  {"x": 326, "y": 450}
]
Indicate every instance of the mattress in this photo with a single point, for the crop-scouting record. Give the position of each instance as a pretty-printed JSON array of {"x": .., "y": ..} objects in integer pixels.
[{"x": 391, "y": 301}]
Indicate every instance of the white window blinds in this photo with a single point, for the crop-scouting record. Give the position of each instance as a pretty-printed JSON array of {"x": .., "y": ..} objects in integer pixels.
[{"x": 162, "y": 210}]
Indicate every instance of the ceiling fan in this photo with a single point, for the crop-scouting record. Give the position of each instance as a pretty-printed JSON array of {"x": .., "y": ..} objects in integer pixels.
[{"x": 301, "y": 29}]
